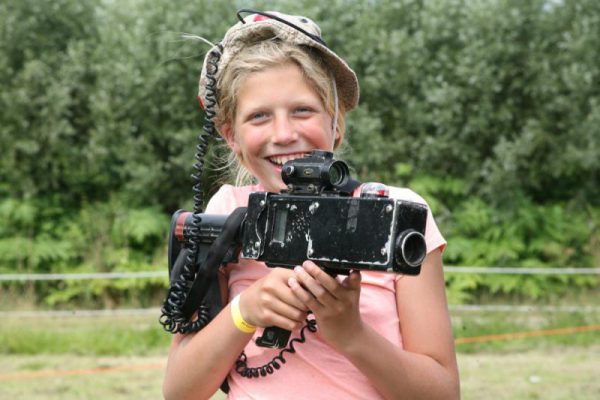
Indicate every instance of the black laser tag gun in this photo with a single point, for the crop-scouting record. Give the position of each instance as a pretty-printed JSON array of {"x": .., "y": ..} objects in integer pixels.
[{"x": 315, "y": 218}]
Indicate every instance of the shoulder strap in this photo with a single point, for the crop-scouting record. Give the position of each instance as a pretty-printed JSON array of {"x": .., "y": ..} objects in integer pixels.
[{"x": 207, "y": 271}]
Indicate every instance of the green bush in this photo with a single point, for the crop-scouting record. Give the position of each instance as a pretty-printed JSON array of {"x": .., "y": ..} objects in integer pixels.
[
  {"x": 107, "y": 237},
  {"x": 489, "y": 109},
  {"x": 531, "y": 236}
]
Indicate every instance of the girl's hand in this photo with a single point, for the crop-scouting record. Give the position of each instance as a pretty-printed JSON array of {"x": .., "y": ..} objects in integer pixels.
[
  {"x": 334, "y": 304},
  {"x": 270, "y": 302}
]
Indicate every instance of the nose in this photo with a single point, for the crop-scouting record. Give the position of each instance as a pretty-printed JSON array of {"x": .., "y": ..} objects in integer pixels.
[{"x": 284, "y": 130}]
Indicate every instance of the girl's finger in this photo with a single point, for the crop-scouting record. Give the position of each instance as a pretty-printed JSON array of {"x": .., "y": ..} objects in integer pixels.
[
  {"x": 352, "y": 281},
  {"x": 313, "y": 286},
  {"x": 326, "y": 280},
  {"x": 302, "y": 294},
  {"x": 289, "y": 312},
  {"x": 283, "y": 322}
]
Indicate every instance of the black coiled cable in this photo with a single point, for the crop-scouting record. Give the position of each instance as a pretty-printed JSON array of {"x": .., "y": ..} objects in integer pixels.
[
  {"x": 172, "y": 317},
  {"x": 241, "y": 365},
  {"x": 212, "y": 67}
]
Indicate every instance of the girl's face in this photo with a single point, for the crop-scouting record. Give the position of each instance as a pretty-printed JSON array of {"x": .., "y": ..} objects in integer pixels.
[{"x": 279, "y": 117}]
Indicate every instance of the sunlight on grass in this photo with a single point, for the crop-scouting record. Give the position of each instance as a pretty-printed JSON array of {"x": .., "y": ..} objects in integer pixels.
[{"x": 50, "y": 353}]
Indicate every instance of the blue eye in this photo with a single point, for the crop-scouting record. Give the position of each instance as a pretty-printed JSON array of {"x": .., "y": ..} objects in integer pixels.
[
  {"x": 258, "y": 115},
  {"x": 302, "y": 110}
]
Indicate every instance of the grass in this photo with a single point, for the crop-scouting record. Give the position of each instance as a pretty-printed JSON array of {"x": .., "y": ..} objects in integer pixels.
[
  {"x": 89, "y": 377},
  {"x": 469, "y": 324},
  {"x": 123, "y": 357},
  {"x": 557, "y": 373},
  {"x": 99, "y": 336},
  {"x": 142, "y": 335}
]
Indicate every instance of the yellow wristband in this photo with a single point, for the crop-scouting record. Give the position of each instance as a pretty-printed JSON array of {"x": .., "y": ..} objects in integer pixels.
[{"x": 238, "y": 320}]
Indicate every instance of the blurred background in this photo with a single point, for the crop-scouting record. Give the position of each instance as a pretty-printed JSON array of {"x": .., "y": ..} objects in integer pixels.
[{"x": 490, "y": 109}]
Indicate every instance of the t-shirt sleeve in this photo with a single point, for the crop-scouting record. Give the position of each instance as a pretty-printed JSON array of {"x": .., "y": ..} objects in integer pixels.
[
  {"x": 433, "y": 236},
  {"x": 222, "y": 202}
]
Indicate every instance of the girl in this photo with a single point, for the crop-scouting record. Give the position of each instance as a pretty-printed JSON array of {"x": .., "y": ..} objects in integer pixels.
[{"x": 280, "y": 93}]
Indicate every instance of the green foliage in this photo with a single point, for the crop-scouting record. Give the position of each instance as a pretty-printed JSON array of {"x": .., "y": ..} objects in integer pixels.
[
  {"x": 107, "y": 236},
  {"x": 482, "y": 234},
  {"x": 488, "y": 109},
  {"x": 499, "y": 93},
  {"x": 27, "y": 239}
]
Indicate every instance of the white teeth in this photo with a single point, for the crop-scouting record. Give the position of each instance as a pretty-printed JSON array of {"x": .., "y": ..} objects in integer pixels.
[{"x": 280, "y": 160}]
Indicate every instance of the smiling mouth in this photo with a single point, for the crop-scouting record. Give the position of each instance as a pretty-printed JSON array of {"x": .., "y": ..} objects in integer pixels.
[{"x": 280, "y": 160}]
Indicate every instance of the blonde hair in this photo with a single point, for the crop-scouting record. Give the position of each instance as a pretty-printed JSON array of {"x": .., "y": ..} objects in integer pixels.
[{"x": 258, "y": 57}]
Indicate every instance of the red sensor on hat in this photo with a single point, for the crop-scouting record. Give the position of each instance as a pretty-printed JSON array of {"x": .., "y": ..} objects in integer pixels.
[{"x": 259, "y": 17}]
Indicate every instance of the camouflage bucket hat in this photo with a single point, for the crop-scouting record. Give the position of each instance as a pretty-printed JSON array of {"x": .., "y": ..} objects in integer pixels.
[{"x": 294, "y": 29}]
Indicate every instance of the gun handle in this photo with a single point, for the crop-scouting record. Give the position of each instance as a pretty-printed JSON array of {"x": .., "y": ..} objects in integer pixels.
[{"x": 274, "y": 338}]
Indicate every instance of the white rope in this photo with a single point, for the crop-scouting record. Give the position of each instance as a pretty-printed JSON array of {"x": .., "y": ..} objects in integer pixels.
[
  {"x": 80, "y": 313},
  {"x": 156, "y": 311},
  {"x": 524, "y": 308},
  {"x": 523, "y": 271},
  {"x": 163, "y": 274},
  {"x": 83, "y": 276}
]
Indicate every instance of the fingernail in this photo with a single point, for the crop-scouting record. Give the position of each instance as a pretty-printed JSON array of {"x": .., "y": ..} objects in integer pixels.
[
  {"x": 298, "y": 268},
  {"x": 292, "y": 282}
]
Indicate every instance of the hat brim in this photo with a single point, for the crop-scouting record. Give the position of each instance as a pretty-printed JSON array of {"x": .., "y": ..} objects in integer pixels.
[{"x": 241, "y": 34}]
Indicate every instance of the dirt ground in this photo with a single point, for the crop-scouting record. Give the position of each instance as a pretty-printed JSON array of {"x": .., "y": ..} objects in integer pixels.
[{"x": 555, "y": 373}]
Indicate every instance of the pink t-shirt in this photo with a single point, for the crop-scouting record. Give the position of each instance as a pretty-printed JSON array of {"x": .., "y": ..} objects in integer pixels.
[{"x": 315, "y": 371}]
